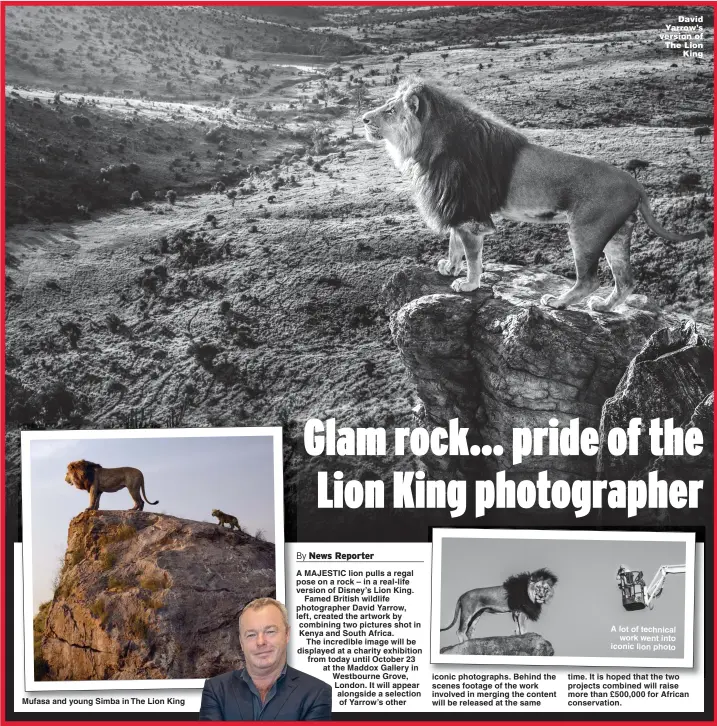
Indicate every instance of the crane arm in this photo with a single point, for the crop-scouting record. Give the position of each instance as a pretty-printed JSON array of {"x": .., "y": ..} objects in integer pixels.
[{"x": 654, "y": 589}]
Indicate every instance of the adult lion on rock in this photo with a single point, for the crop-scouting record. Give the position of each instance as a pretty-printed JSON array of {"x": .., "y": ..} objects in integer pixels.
[
  {"x": 521, "y": 595},
  {"x": 466, "y": 165},
  {"x": 96, "y": 480}
]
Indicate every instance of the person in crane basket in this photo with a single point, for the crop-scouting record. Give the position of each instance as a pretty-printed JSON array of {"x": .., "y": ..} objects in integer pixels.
[{"x": 632, "y": 585}]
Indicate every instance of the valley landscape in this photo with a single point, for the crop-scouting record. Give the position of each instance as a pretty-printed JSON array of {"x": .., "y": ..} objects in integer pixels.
[{"x": 198, "y": 234}]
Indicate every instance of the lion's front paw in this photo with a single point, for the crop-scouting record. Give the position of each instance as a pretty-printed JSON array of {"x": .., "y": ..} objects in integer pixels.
[
  {"x": 462, "y": 285},
  {"x": 552, "y": 302},
  {"x": 598, "y": 305},
  {"x": 445, "y": 267}
]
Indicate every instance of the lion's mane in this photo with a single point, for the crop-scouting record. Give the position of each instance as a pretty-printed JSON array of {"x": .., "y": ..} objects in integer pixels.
[
  {"x": 83, "y": 471},
  {"x": 516, "y": 588},
  {"x": 464, "y": 160}
]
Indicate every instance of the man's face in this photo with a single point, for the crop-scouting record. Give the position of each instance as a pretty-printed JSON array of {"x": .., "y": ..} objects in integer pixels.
[{"x": 264, "y": 638}]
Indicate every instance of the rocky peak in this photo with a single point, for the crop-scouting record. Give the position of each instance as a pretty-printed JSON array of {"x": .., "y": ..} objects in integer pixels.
[
  {"x": 496, "y": 359},
  {"x": 526, "y": 644},
  {"x": 151, "y": 596}
]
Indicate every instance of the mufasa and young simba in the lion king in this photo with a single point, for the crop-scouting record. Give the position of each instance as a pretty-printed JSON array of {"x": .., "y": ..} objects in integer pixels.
[
  {"x": 96, "y": 480},
  {"x": 466, "y": 165}
]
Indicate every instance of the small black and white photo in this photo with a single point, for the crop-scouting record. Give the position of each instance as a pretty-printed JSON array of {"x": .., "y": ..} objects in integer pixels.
[{"x": 559, "y": 597}]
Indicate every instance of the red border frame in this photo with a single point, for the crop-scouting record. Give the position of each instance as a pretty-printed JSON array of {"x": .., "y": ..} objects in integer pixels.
[
  {"x": 3, "y": 553},
  {"x": 317, "y": 3}
]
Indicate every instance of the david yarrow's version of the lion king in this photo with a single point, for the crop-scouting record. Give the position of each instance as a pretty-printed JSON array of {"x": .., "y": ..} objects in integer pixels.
[
  {"x": 96, "y": 480},
  {"x": 466, "y": 165},
  {"x": 521, "y": 595}
]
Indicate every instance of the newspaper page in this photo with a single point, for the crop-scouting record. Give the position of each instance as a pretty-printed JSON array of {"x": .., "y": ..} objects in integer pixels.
[{"x": 400, "y": 316}]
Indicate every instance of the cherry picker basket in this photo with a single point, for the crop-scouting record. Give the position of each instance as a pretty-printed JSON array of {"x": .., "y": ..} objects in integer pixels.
[{"x": 632, "y": 587}]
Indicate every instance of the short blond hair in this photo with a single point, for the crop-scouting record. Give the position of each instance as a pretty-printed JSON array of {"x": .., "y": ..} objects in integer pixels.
[{"x": 262, "y": 602}]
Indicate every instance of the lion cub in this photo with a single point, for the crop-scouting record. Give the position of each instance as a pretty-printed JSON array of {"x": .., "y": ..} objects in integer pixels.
[{"x": 223, "y": 518}]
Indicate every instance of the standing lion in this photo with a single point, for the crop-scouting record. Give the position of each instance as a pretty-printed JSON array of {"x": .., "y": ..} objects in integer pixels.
[
  {"x": 96, "y": 480},
  {"x": 523, "y": 596},
  {"x": 466, "y": 165}
]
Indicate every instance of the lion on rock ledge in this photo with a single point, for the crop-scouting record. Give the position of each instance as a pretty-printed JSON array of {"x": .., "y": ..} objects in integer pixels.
[{"x": 466, "y": 165}]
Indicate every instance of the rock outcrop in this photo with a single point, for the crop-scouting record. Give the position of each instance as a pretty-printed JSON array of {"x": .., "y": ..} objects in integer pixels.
[
  {"x": 685, "y": 467},
  {"x": 667, "y": 379},
  {"x": 151, "y": 596},
  {"x": 526, "y": 644},
  {"x": 497, "y": 360}
]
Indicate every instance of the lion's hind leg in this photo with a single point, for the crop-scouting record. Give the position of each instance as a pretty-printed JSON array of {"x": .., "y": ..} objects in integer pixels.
[
  {"x": 466, "y": 624},
  {"x": 587, "y": 243},
  {"x": 138, "y": 503},
  {"x": 617, "y": 253}
]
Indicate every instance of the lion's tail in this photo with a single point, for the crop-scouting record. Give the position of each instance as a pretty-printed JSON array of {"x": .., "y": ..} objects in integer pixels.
[
  {"x": 644, "y": 208},
  {"x": 455, "y": 616},
  {"x": 144, "y": 494}
]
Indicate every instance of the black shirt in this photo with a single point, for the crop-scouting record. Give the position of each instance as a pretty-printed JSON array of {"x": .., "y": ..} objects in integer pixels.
[{"x": 256, "y": 702}]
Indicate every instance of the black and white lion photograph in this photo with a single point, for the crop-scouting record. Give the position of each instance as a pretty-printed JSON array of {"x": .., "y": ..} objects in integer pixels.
[
  {"x": 388, "y": 216},
  {"x": 493, "y": 597}
]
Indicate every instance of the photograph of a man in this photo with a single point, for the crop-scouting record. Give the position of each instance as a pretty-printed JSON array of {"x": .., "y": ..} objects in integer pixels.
[{"x": 267, "y": 688}]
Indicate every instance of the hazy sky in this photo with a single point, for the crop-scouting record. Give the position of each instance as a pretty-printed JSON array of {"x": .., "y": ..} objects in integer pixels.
[
  {"x": 189, "y": 476},
  {"x": 587, "y": 601}
]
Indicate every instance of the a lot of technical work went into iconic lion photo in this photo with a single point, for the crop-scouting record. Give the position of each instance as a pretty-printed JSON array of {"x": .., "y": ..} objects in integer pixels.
[{"x": 385, "y": 216}]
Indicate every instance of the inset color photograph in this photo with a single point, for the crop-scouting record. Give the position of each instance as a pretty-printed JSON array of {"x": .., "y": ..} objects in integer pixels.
[{"x": 141, "y": 547}]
